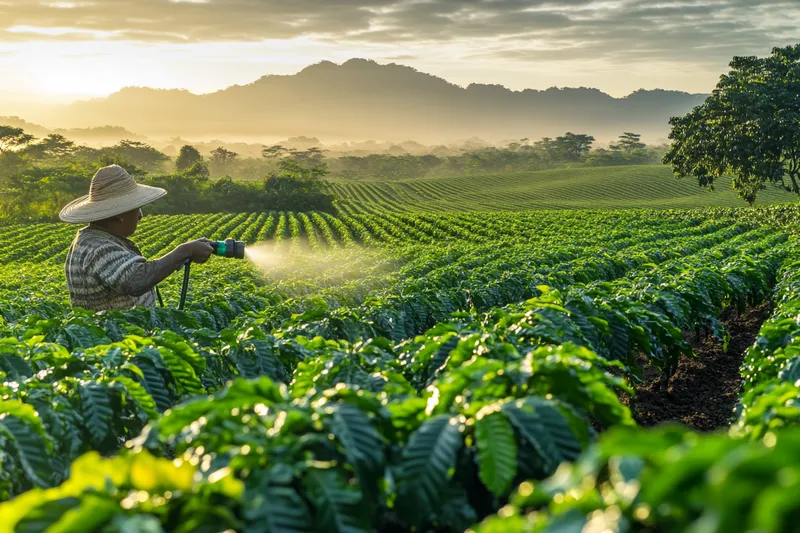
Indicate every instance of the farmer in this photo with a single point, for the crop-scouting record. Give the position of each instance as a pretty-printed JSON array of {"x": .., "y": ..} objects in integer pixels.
[{"x": 104, "y": 269}]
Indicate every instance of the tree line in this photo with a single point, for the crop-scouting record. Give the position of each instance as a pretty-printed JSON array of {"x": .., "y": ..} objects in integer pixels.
[{"x": 38, "y": 177}]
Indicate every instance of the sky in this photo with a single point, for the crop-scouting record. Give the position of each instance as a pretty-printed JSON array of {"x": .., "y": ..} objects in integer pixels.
[{"x": 56, "y": 51}]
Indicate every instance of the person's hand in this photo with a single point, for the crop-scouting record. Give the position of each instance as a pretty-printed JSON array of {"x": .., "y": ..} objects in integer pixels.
[{"x": 198, "y": 250}]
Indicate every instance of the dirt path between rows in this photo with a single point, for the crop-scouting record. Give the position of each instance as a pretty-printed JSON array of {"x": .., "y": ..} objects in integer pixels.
[{"x": 705, "y": 389}]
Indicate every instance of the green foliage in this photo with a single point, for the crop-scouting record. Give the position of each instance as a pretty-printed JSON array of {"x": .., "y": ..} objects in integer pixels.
[
  {"x": 668, "y": 479},
  {"x": 297, "y": 188},
  {"x": 140, "y": 154},
  {"x": 628, "y": 142},
  {"x": 747, "y": 128},
  {"x": 13, "y": 138},
  {"x": 453, "y": 373},
  {"x": 222, "y": 161},
  {"x": 187, "y": 158},
  {"x": 53, "y": 146},
  {"x": 138, "y": 492},
  {"x": 497, "y": 450}
]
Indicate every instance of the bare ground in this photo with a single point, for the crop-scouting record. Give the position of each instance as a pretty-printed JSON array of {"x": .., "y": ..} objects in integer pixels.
[{"x": 704, "y": 390}]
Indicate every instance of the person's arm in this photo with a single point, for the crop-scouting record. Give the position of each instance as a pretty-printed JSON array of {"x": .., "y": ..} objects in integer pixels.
[
  {"x": 148, "y": 274},
  {"x": 127, "y": 272}
]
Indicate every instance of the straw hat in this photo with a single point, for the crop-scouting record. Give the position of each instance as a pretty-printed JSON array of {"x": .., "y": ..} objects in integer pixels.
[{"x": 113, "y": 191}]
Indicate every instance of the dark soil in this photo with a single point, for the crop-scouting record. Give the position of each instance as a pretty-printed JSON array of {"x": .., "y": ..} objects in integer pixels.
[{"x": 705, "y": 389}]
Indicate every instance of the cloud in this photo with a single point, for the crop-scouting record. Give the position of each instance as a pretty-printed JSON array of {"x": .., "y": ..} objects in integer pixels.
[
  {"x": 401, "y": 57},
  {"x": 516, "y": 30}
]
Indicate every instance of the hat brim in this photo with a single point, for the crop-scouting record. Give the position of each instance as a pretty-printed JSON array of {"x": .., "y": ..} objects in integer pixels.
[{"x": 84, "y": 210}]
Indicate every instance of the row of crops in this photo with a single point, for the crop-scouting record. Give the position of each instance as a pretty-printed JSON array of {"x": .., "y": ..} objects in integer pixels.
[
  {"x": 410, "y": 386},
  {"x": 314, "y": 231},
  {"x": 671, "y": 479}
]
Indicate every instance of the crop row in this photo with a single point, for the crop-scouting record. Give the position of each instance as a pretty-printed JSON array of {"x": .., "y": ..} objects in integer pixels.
[
  {"x": 425, "y": 290},
  {"x": 158, "y": 234},
  {"x": 433, "y": 432},
  {"x": 671, "y": 479}
]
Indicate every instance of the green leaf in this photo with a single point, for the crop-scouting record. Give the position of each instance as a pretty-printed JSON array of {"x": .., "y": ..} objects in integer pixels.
[
  {"x": 497, "y": 450},
  {"x": 791, "y": 371},
  {"x": 136, "y": 391},
  {"x": 91, "y": 514},
  {"x": 96, "y": 410},
  {"x": 182, "y": 372},
  {"x": 154, "y": 383},
  {"x": 427, "y": 461},
  {"x": 362, "y": 444},
  {"x": 457, "y": 513},
  {"x": 336, "y": 503},
  {"x": 16, "y": 368},
  {"x": 277, "y": 510},
  {"x": 26, "y": 414},
  {"x": 541, "y": 424},
  {"x": 43, "y": 516},
  {"x": 31, "y": 450}
]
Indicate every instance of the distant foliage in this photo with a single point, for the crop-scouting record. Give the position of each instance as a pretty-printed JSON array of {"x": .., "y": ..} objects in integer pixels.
[
  {"x": 38, "y": 178},
  {"x": 188, "y": 157},
  {"x": 568, "y": 150},
  {"x": 292, "y": 188}
]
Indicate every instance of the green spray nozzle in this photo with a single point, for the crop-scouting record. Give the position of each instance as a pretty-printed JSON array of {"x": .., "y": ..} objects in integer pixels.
[{"x": 229, "y": 248}]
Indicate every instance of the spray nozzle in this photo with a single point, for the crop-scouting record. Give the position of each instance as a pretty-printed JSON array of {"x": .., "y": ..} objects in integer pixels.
[{"x": 229, "y": 248}]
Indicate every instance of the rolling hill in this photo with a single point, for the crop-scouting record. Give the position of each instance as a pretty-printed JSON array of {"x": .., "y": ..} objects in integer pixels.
[{"x": 625, "y": 187}]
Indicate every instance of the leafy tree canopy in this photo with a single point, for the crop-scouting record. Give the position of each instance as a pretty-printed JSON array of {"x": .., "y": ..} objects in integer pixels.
[
  {"x": 140, "y": 154},
  {"x": 187, "y": 158},
  {"x": 628, "y": 142},
  {"x": 11, "y": 138},
  {"x": 52, "y": 146},
  {"x": 748, "y": 128}
]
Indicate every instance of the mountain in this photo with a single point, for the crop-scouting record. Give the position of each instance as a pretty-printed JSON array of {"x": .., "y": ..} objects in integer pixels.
[{"x": 361, "y": 99}]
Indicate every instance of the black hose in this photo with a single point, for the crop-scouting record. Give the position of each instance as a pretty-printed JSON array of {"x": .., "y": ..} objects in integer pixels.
[
  {"x": 185, "y": 288},
  {"x": 158, "y": 293}
]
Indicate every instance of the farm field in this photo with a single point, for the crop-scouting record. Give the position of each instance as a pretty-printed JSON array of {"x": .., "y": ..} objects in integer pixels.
[
  {"x": 408, "y": 371},
  {"x": 621, "y": 187}
]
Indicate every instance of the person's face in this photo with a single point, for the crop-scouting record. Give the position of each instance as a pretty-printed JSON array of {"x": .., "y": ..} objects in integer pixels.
[{"x": 129, "y": 221}]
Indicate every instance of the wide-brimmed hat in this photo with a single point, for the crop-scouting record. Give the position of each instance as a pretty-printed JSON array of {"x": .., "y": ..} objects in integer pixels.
[{"x": 113, "y": 191}]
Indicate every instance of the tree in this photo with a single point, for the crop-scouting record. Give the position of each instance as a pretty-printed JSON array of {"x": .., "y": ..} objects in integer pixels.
[
  {"x": 11, "y": 138},
  {"x": 548, "y": 146},
  {"x": 310, "y": 157},
  {"x": 628, "y": 142},
  {"x": 222, "y": 156},
  {"x": 273, "y": 152},
  {"x": 138, "y": 153},
  {"x": 748, "y": 128},
  {"x": 198, "y": 170},
  {"x": 187, "y": 157},
  {"x": 573, "y": 146},
  {"x": 52, "y": 146},
  {"x": 297, "y": 188},
  {"x": 222, "y": 159}
]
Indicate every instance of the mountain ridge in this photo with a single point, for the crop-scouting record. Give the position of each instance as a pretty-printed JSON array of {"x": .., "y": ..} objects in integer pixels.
[{"x": 362, "y": 99}]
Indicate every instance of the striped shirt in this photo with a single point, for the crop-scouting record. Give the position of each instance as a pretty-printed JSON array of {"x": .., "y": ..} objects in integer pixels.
[{"x": 100, "y": 269}]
